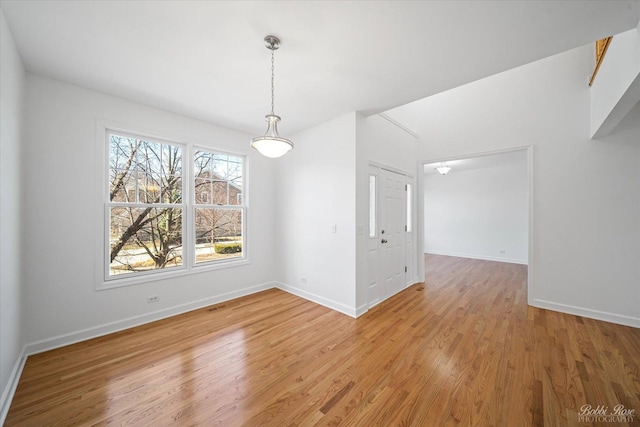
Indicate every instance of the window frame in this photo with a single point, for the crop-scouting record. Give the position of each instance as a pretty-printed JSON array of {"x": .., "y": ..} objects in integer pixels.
[{"x": 106, "y": 281}]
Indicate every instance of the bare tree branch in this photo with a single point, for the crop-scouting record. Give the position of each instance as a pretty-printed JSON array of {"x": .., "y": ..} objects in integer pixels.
[{"x": 119, "y": 179}]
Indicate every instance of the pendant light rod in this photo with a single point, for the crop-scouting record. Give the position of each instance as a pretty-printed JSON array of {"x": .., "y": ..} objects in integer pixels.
[{"x": 272, "y": 43}]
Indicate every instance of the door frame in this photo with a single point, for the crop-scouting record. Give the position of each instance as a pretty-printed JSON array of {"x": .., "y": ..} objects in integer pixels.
[
  {"x": 374, "y": 168},
  {"x": 420, "y": 221}
]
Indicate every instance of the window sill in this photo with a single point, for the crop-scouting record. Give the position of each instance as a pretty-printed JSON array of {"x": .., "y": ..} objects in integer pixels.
[{"x": 165, "y": 275}]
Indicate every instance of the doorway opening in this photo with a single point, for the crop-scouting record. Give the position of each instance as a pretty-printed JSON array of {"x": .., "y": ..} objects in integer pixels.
[{"x": 481, "y": 208}]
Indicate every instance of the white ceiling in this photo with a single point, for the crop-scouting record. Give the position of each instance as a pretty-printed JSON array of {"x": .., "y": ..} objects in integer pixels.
[{"x": 207, "y": 60}]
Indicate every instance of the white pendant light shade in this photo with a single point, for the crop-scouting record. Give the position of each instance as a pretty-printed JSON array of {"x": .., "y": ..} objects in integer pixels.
[
  {"x": 443, "y": 170},
  {"x": 271, "y": 144}
]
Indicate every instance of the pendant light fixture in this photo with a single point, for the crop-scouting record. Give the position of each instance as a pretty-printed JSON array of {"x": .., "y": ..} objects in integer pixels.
[
  {"x": 443, "y": 169},
  {"x": 271, "y": 144}
]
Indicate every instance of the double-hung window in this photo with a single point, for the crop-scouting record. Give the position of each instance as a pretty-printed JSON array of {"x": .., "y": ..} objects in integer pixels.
[
  {"x": 166, "y": 213},
  {"x": 146, "y": 206}
]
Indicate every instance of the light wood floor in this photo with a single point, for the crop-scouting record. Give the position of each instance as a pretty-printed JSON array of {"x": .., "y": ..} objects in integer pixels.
[{"x": 462, "y": 349}]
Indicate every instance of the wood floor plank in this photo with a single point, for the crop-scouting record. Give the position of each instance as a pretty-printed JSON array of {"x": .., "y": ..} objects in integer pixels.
[{"x": 462, "y": 349}]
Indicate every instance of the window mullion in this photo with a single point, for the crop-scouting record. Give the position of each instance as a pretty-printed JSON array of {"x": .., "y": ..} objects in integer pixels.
[{"x": 188, "y": 199}]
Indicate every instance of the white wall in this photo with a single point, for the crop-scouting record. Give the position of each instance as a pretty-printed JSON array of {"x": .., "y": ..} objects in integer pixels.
[
  {"x": 379, "y": 142},
  {"x": 324, "y": 181},
  {"x": 12, "y": 80},
  {"x": 479, "y": 213},
  {"x": 61, "y": 224},
  {"x": 586, "y": 193},
  {"x": 316, "y": 190},
  {"x": 616, "y": 88}
]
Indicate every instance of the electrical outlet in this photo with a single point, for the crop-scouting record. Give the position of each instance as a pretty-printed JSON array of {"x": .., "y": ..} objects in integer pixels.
[
  {"x": 303, "y": 280},
  {"x": 502, "y": 251},
  {"x": 153, "y": 298}
]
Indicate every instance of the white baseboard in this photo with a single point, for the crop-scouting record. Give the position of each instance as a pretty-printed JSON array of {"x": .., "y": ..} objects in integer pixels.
[
  {"x": 334, "y": 305},
  {"x": 362, "y": 309},
  {"x": 119, "y": 325},
  {"x": 482, "y": 257},
  {"x": 12, "y": 384},
  {"x": 589, "y": 313}
]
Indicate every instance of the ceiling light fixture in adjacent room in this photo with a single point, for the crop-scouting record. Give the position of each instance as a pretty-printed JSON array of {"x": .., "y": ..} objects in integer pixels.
[
  {"x": 271, "y": 144},
  {"x": 443, "y": 169}
]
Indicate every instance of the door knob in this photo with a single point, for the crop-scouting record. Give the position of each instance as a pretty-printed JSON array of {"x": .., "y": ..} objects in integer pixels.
[{"x": 384, "y": 240}]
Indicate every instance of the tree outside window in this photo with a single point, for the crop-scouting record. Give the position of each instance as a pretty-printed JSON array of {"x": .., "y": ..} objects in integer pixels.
[
  {"x": 147, "y": 213},
  {"x": 145, "y": 205}
]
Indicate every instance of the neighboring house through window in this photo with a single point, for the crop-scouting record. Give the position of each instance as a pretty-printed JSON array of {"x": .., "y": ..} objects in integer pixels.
[
  {"x": 158, "y": 219},
  {"x": 219, "y": 210}
]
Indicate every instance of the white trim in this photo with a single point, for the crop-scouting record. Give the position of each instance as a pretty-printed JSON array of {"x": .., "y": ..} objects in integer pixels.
[
  {"x": 362, "y": 309},
  {"x": 329, "y": 303},
  {"x": 482, "y": 257},
  {"x": 530, "y": 269},
  {"x": 10, "y": 389},
  {"x": 119, "y": 325},
  {"x": 409, "y": 188},
  {"x": 473, "y": 155},
  {"x": 157, "y": 275},
  {"x": 389, "y": 168},
  {"x": 587, "y": 312},
  {"x": 411, "y": 252},
  {"x": 419, "y": 228},
  {"x": 399, "y": 125}
]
